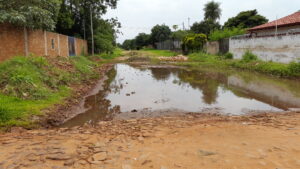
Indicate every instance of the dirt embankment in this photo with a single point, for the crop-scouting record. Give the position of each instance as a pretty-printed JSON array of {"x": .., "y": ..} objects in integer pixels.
[
  {"x": 183, "y": 142},
  {"x": 58, "y": 114}
]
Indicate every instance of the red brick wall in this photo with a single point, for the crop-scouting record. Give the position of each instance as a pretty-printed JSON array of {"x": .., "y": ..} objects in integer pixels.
[
  {"x": 64, "y": 47},
  {"x": 52, "y": 44},
  {"x": 11, "y": 41},
  {"x": 36, "y": 42},
  {"x": 81, "y": 47}
]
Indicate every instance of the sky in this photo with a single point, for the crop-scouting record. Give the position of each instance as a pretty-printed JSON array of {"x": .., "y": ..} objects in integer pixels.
[{"x": 139, "y": 16}]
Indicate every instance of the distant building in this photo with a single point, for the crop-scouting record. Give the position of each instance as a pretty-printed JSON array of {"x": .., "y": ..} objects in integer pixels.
[
  {"x": 277, "y": 41},
  {"x": 288, "y": 24}
]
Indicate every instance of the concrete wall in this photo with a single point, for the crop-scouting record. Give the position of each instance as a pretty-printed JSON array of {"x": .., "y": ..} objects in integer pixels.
[
  {"x": 284, "y": 49},
  {"x": 16, "y": 41},
  {"x": 216, "y": 47},
  {"x": 212, "y": 47}
]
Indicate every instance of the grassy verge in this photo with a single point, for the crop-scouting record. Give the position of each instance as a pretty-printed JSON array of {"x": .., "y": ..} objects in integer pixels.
[
  {"x": 30, "y": 84},
  {"x": 291, "y": 70},
  {"x": 110, "y": 56},
  {"x": 155, "y": 52}
]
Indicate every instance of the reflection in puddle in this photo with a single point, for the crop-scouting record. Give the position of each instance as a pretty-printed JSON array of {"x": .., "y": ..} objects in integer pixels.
[{"x": 137, "y": 92}]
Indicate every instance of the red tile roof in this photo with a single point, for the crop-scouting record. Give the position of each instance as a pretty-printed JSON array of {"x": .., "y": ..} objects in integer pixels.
[{"x": 290, "y": 20}]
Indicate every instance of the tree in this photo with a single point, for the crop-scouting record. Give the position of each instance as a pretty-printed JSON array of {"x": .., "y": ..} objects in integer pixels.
[
  {"x": 246, "y": 19},
  {"x": 75, "y": 20},
  {"x": 160, "y": 33},
  {"x": 205, "y": 27},
  {"x": 142, "y": 40},
  {"x": 212, "y": 11},
  {"x": 175, "y": 27},
  {"x": 194, "y": 42},
  {"x": 35, "y": 14},
  {"x": 104, "y": 36},
  {"x": 179, "y": 35},
  {"x": 129, "y": 44}
]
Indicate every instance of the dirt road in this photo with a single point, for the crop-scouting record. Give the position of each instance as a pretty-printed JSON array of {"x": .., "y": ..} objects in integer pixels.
[{"x": 190, "y": 142}]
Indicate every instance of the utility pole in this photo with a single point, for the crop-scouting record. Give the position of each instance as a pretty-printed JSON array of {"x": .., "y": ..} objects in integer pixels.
[
  {"x": 189, "y": 19},
  {"x": 276, "y": 29},
  {"x": 183, "y": 27},
  {"x": 92, "y": 32}
]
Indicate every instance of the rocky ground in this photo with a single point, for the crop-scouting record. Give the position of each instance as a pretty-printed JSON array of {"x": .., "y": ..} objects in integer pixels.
[{"x": 183, "y": 142}]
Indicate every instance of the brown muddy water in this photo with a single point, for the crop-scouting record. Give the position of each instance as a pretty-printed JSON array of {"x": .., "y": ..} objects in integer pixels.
[{"x": 145, "y": 91}]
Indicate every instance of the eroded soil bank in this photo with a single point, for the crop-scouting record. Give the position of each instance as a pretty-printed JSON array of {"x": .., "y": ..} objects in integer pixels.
[{"x": 183, "y": 142}]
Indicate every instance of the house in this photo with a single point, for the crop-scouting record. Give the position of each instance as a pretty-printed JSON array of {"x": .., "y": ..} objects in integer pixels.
[
  {"x": 288, "y": 24},
  {"x": 19, "y": 41},
  {"x": 277, "y": 41}
]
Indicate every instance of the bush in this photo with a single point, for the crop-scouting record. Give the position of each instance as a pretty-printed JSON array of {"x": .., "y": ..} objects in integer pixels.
[
  {"x": 294, "y": 67},
  {"x": 194, "y": 42},
  {"x": 225, "y": 33},
  {"x": 249, "y": 56},
  {"x": 228, "y": 55}
]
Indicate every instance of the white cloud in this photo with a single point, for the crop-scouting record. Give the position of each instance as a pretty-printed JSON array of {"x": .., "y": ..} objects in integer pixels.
[{"x": 139, "y": 16}]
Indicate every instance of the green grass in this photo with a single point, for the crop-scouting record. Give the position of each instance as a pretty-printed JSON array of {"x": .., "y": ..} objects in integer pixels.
[
  {"x": 249, "y": 62},
  {"x": 165, "y": 53},
  {"x": 30, "y": 84},
  {"x": 110, "y": 56}
]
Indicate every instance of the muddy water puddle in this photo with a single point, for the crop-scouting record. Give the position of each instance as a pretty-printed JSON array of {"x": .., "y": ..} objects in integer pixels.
[{"x": 143, "y": 91}]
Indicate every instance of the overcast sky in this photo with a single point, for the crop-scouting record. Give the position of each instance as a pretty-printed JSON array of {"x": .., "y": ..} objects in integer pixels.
[{"x": 138, "y": 16}]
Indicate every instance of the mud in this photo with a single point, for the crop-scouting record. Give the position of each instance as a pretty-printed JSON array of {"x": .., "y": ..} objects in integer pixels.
[
  {"x": 203, "y": 141},
  {"x": 71, "y": 107}
]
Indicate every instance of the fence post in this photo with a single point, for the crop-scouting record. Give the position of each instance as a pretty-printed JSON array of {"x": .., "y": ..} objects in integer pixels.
[{"x": 26, "y": 41}]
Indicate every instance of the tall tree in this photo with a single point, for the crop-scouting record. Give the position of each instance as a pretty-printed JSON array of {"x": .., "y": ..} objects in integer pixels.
[
  {"x": 205, "y": 27},
  {"x": 212, "y": 11},
  {"x": 75, "y": 20},
  {"x": 246, "y": 19},
  {"x": 160, "y": 33},
  {"x": 35, "y": 14},
  {"x": 142, "y": 40}
]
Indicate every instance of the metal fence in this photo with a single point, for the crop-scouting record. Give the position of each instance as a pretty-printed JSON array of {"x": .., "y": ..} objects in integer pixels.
[{"x": 169, "y": 45}]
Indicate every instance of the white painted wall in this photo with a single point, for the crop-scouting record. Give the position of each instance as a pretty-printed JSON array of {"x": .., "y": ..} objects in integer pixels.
[{"x": 284, "y": 49}]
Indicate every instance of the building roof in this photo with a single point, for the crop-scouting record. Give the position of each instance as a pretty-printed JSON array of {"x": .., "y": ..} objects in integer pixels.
[{"x": 291, "y": 20}]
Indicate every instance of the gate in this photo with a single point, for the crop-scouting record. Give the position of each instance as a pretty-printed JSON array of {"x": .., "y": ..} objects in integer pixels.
[{"x": 72, "y": 46}]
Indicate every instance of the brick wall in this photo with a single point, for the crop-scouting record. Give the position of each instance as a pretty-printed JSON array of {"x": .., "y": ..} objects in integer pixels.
[
  {"x": 63, "y": 40},
  {"x": 39, "y": 43},
  {"x": 11, "y": 41},
  {"x": 36, "y": 42},
  {"x": 81, "y": 47}
]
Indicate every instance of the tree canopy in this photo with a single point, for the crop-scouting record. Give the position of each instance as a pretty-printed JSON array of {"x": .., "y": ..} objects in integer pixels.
[
  {"x": 142, "y": 40},
  {"x": 35, "y": 14},
  {"x": 160, "y": 33},
  {"x": 74, "y": 19},
  {"x": 246, "y": 19},
  {"x": 212, "y": 11},
  {"x": 205, "y": 27}
]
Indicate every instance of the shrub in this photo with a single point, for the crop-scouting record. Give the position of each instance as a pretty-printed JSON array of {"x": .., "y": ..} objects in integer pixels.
[
  {"x": 294, "y": 67},
  {"x": 225, "y": 33},
  {"x": 228, "y": 55},
  {"x": 249, "y": 56},
  {"x": 194, "y": 42}
]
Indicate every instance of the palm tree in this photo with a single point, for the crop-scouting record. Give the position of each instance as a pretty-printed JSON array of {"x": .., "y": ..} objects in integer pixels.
[
  {"x": 212, "y": 11},
  {"x": 175, "y": 27}
]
